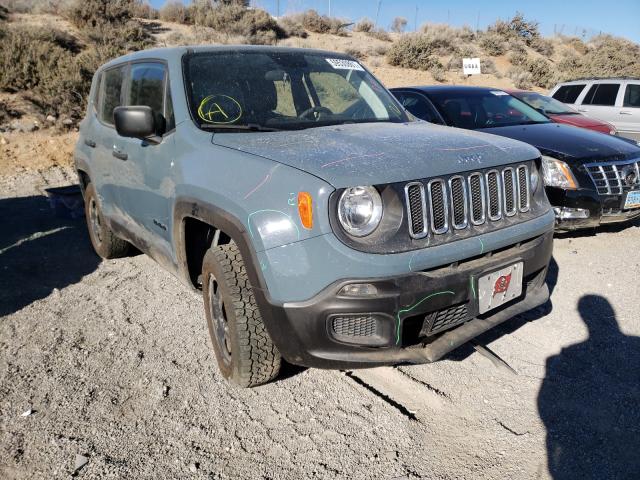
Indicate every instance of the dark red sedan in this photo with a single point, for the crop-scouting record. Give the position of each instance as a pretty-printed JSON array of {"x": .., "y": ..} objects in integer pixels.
[{"x": 561, "y": 113}]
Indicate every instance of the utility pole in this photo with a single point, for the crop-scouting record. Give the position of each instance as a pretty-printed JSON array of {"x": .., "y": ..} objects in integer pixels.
[
  {"x": 329, "y": 8},
  {"x": 415, "y": 20},
  {"x": 278, "y": 9},
  {"x": 478, "y": 22},
  {"x": 378, "y": 12}
]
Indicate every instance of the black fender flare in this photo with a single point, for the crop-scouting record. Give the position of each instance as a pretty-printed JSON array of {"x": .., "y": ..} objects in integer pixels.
[{"x": 189, "y": 207}]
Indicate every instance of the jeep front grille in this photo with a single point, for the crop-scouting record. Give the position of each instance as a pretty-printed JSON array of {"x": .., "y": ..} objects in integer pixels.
[
  {"x": 614, "y": 178},
  {"x": 509, "y": 181},
  {"x": 466, "y": 200},
  {"x": 414, "y": 194}
]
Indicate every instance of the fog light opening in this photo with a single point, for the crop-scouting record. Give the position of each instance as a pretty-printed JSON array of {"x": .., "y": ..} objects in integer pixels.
[
  {"x": 358, "y": 290},
  {"x": 566, "y": 213}
]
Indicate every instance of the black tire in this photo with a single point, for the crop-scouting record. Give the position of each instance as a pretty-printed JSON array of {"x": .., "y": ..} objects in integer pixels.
[
  {"x": 244, "y": 350},
  {"x": 104, "y": 241}
]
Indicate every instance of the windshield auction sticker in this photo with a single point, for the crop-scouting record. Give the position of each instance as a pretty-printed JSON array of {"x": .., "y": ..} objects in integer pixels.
[
  {"x": 219, "y": 109},
  {"x": 342, "y": 64}
]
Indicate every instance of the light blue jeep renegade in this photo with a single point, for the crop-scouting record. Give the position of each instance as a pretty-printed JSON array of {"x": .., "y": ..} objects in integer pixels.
[{"x": 323, "y": 224}]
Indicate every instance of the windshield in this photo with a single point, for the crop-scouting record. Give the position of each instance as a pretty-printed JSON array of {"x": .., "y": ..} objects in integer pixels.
[
  {"x": 544, "y": 104},
  {"x": 484, "y": 109},
  {"x": 275, "y": 90}
]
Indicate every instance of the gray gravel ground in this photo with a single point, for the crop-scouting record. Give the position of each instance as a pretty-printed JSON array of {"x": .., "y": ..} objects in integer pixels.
[{"x": 113, "y": 362}]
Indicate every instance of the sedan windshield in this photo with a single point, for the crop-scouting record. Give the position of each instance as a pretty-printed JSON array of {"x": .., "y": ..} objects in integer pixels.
[
  {"x": 276, "y": 90},
  {"x": 544, "y": 104},
  {"x": 484, "y": 109}
]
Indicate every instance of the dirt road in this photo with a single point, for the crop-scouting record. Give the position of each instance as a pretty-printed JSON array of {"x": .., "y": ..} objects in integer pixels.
[{"x": 111, "y": 360}]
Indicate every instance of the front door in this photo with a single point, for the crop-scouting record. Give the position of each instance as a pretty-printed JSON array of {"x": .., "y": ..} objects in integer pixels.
[{"x": 149, "y": 186}]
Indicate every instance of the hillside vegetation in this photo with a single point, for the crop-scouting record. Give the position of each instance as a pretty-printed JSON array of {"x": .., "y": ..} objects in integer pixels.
[{"x": 49, "y": 49}]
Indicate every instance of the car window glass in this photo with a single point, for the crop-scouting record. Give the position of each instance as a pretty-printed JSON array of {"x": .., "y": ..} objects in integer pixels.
[
  {"x": 632, "y": 95},
  {"x": 285, "y": 105},
  {"x": 602, "y": 94},
  {"x": 284, "y": 90},
  {"x": 569, "y": 93},
  {"x": 544, "y": 104},
  {"x": 96, "y": 93},
  {"x": 418, "y": 106},
  {"x": 112, "y": 93},
  {"x": 147, "y": 86},
  {"x": 334, "y": 91},
  {"x": 484, "y": 109},
  {"x": 168, "y": 110}
]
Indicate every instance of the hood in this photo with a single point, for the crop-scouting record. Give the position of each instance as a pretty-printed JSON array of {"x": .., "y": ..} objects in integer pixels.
[
  {"x": 378, "y": 153},
  {"x": 580, "y": 121},
  {"x": 569, "y": 143}
]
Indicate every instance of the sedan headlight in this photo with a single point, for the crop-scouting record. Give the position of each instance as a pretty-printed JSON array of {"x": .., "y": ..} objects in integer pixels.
[
  {"x": 557, "y": 174},
  {"x": 360, "y": 210}
]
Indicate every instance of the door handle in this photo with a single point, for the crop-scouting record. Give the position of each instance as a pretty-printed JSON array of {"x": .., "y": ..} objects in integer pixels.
[
  {"x": 625, "y": 113},
  {"x": 119, "y": 154},
  {"x": 582, "y": 110},
  {"x": 89, "y": 143}
]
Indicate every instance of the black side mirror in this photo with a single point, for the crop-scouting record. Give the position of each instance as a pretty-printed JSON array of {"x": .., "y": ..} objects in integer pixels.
[{"x": 136, "y": 121}]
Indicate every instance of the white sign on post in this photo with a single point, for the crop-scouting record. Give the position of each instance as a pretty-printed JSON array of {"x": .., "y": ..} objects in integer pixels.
[{"x": 471, "y": 66}]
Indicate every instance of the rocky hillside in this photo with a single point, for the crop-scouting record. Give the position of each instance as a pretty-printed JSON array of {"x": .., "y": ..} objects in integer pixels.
[{"x": 49, "y": 51}]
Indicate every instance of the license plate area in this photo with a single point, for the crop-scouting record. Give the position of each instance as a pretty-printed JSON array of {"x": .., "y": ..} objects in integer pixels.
[
  {"x": 499, "y": 287},
  {"x": 632, "y": 200}
]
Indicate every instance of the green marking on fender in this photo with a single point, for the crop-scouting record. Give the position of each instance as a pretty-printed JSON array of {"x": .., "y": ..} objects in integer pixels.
[
  {"x": 481, "y": 246},
  {"x": 405, "y": 310},
  {"x": 473, "y": 289}
]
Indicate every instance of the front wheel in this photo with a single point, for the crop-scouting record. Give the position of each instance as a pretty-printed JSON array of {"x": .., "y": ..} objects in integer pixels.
[{"x": 244, "y": 350}]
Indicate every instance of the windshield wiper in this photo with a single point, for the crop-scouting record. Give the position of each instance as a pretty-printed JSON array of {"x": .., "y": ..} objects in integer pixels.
[{"x": 250, "y": 127}]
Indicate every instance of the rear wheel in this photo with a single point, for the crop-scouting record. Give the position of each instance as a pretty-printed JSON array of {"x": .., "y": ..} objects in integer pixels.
[
  {"x": 104, "y": 241},
  {"x": 244, "y": 350}
]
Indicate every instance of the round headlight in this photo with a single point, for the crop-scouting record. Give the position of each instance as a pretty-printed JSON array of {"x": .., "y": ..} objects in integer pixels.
[
  {"x": 534, "y": 178},
  {"x": 360, "y": 210}
]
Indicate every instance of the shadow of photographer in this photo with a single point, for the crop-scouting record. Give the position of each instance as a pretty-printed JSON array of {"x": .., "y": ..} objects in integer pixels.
[{"x": 589, "y": 401}]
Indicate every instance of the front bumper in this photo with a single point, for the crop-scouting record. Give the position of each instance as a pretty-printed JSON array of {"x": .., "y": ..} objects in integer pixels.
[
  {"x": 599, "y": 209},
  {"x": 404, "y": 309}
]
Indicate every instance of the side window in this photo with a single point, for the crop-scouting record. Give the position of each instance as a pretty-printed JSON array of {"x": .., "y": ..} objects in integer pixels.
[
  {"x": 111, "y": 93},
  {"x": 96, "y": 92},
  {"x": 602, "y": 94},
  {"x": 632, "y": 95},
  {"x": 418, "y": 106},
  {"x": 147, "y": 86},
  {"x": 569, "y": 93},
  {"x": 168, "y": 109}
]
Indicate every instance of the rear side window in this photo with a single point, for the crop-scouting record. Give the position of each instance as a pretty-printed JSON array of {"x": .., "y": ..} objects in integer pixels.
[
  {"x": 112, "y": 81},
  {"x": 602, "y": 94},
  {"x": 569, "y": 93},
  {"x": 632, "y": 95}
]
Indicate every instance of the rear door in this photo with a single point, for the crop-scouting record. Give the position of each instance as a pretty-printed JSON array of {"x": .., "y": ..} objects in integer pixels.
[
  {"x": 600, "y": 101},
  {"x": 628, "y": 122},
  {"x": 148, "y": 189}
]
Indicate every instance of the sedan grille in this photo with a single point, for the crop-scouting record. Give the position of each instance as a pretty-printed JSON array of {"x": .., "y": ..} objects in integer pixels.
[
  {"x": 614, "y": 178},
  {"x": 472, "y": 199}
]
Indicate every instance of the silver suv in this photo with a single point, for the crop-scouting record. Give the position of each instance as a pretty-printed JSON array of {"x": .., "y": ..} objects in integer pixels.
[{"x": 613, "y": 100}]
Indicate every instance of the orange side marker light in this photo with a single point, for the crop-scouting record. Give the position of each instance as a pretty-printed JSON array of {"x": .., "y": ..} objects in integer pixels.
[{"x": 305, "y": 209}]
